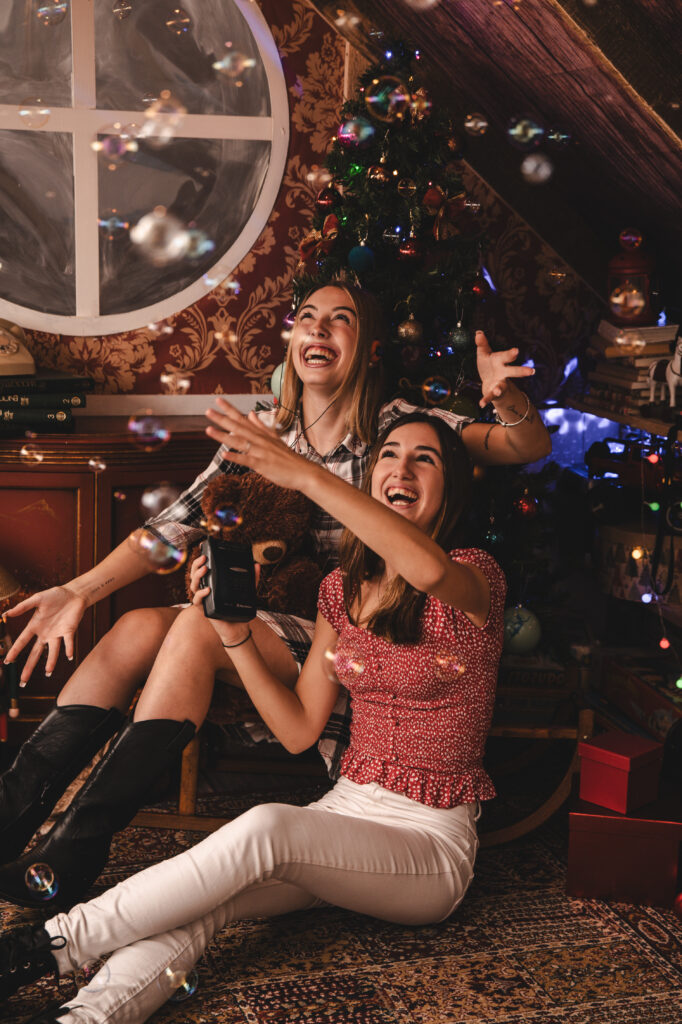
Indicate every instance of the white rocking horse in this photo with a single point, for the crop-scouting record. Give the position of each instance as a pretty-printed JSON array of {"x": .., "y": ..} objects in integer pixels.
[{"x": 666, "y": 372}]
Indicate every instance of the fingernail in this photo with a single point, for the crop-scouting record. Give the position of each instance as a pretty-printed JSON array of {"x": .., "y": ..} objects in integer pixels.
[
  {"x": 70, "y": 657},
  {"x": 47, "y": 675},
  {"x": 22, "y": 683}
]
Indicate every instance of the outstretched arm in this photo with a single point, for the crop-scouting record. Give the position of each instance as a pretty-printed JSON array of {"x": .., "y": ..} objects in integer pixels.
[
  {"x": 527, "y": 440},
  {"x": 401, "y": 544}
]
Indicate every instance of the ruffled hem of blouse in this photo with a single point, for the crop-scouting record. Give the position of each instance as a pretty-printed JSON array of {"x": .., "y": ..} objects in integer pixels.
[{"x": 437, "y": 789}]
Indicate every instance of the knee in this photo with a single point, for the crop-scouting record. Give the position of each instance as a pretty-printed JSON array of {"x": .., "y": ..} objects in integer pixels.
[
  {"x": 139, "y": 622},
  {"x": 266, "y": 820}
]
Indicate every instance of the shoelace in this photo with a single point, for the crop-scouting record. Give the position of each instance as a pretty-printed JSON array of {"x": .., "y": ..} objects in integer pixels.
[{"x": 26, "y": 941}]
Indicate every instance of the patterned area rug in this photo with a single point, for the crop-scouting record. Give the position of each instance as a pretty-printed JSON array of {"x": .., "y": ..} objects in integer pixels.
[{"x": 518, "y": 951}]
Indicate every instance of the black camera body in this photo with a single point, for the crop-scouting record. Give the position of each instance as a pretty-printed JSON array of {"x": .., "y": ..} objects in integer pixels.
[{"x": 232, "y": 579}]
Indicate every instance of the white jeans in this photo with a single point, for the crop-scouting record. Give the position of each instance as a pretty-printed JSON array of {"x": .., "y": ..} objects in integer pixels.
[{"x": 359, "y": 847}]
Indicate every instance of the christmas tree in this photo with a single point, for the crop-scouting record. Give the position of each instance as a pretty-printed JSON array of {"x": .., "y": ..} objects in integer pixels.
[{"x": 394, "y": 217}]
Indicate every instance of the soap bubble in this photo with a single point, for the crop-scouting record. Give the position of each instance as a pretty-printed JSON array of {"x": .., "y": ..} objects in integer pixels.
[
  {"x": 163, "y": 117},
  {"x": 356, "y": 132},
  {"x": 198, "y": 244},
  {"x": 163, "y": 557},
  {"x": 52, "y": 12},
  {"x": 537, "y": 168},
  {"x": 178, "y": 21},
  {"x": 121, "y": 9},
  {"x": 630, "y": 238},
  {"x": 476, "y": 124},
  {"x": 224, "y": 517},
  {"x": 41, "y": 881},
  {"x": 448, "y": 665},
  {"x": 340, "y": 664},
  {"x": 233, "y": 64},
  {"x": 160, "y": 327},
  {"x": 147, "y": 431},
  {"x": 93, "y": 973},
  {"x": 557, "y": 274},
  {"x": 120, "y": 495},
  {"x": 158, "y": 497},
  {"x": 435, "y": 390},
  {"x": 386, "y": 98},
  {"x": 318, "y": 177},
  {"x": 97, "y": 464},
  {"x": 112, "y": 224},
  {"x": 421, "y": 5},
  {"x": 34, "y": 113},
  {"x": 558, "y": 136},
  {"x": 161, "y": 237},
  {"x": 627, "y": 301},
  {"x": 114, "y": 142},
  {"x": 175, "y": 382},
  {"x": 184, "y": 984},
  {"x": 524, "y": 132},
  {"x": 30, "y": 455}
]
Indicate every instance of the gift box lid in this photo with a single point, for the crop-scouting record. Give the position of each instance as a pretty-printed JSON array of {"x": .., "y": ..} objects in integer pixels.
[
  {"x": 621, "y": 750},
  {"x": 662, "y": 818}
]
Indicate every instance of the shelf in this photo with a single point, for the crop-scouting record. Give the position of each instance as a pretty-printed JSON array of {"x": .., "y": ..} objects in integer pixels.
[{"x": 651, "y": 426}]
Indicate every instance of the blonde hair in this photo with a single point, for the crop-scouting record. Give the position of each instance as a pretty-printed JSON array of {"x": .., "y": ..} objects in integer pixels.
[{"x": 364, "y": 384}]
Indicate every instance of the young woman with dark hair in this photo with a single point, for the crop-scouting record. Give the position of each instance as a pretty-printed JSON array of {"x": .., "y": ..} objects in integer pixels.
[
  {"x": 396, "y": 836},
  {"x": 329, "y": 414}
]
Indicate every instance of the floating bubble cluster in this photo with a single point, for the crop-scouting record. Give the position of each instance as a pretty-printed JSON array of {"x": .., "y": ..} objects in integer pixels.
[
  {"x": 158, "y": 497},
  {"x": 41, "y": 881},
  {"x": 162, "y": 557},
  {"x": 147, "y": 431}
]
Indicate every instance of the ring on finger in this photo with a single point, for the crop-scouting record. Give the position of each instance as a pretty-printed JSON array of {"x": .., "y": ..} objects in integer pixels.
[{"x": 247, "y": 448}]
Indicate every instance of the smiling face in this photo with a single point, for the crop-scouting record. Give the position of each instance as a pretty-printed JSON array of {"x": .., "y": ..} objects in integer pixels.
[
  {"x": 323, "y": 339},
  {"x": 409, "y": 474}
]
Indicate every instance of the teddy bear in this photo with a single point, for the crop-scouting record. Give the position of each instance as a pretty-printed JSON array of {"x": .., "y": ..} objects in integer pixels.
[{"x": 275, "y": 522}]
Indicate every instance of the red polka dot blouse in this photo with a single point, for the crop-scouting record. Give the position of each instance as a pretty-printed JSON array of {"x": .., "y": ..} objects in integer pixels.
[{"x": 421, "y": 712}]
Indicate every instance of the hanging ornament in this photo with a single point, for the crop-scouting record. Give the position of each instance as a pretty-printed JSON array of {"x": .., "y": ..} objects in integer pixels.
[
  {"x": 522, "y": 630},
  {"x": 393, "y": 235},
  {"x": 410, "y": 330},
  {"x": 387, "y": 99},
  {"x": 478, "y": 287},
  {"x": 525, "y": 133},
  {"x": 377, "y": 174},
  {"x": 447, "y": 212},
  {"x": 420, "y": 104},
  {"x": 355, "y": 133},
  {"x": 458, "y": 337},
  {"x": 327, "y": 198},
  {"x": 406, "y": 187},
  {"x": 456, "y": 146},
  {"x": 435, "y": 390},
  {"x": 408, "y": 250},
  {"x": 361, "y": 258}
]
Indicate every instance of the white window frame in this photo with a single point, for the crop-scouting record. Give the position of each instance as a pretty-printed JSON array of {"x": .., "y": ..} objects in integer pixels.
[{"x": 83, "y": 121}]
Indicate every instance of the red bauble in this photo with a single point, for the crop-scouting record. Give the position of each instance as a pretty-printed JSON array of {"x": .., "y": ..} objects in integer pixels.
[
  {"x": 327, "y": 198},
  {"x": 526, "y": 506},
  {"x": 409, "y": 249}
]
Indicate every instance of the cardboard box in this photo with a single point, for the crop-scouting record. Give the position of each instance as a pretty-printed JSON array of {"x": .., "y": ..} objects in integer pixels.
[
  {"x": 619, "y": 771},
  {"x": 646, "y": 692},
  {"x": 633, "y": 858}
]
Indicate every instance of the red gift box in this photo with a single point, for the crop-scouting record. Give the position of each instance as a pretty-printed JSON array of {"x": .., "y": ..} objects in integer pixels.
[
  {"x": 619, "y": 771},
  {"x": 631, "y": 858}
]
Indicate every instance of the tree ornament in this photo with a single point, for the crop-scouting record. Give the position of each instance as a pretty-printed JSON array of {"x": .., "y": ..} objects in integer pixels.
[
  {"x": 409, "y": 250},
  {"x": 456, "y": 146},
  {"x": 361, "y": 258},
  {"x": 420, "y": 104},
  {"x": 522, "y": 630},
  {"x": 393, "y": 235},
  {"x": 458, "y": 338},
  {"x": 410, "y": 330},
  {"x": 327, "y": 198},
  {"x": 406, "y": 187},
  {"x": 435, "y": 390},
  {"x": 377, "y": 174},
  {"x": 387, "y": 99},
  {"x": 478, "y": 287},
  {"x": 355, "y": 133},
  {"x": 527, "y": 506}
]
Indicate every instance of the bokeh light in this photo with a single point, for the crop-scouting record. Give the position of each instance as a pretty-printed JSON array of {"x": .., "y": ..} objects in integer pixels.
[
  {"x": 147, "y": 432},
  {"x": 158, "y": 497},
  {"x": 161, "y": 237},
  {"x": 476, "y": 124},
  {"x": 537, "y": 168},
  {"x": 161, "y": 556},
  {"x": 30, "y": 455}
]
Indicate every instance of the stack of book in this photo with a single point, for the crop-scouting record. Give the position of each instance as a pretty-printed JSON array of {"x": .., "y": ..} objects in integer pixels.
[
  {"x": 41, "y": 403},
  {"x": 619, "y": 381}
]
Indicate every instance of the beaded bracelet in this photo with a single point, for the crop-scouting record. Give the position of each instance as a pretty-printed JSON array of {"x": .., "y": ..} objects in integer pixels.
[
  {"x": 516, "y": 422},
  {"x": 247, "y": 637}
]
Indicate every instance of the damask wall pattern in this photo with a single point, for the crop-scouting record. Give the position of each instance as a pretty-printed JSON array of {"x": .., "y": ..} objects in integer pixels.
[{"x": 230, "y": 343}]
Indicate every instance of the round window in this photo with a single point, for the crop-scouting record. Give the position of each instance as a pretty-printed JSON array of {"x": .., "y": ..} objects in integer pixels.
[{"x": 142, "y": 145}]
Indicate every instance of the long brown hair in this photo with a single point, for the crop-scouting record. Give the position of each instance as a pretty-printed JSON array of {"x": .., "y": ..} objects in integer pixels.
[
  {"x": 398, "y": 616},
  {"x": 364, "y": 383}
]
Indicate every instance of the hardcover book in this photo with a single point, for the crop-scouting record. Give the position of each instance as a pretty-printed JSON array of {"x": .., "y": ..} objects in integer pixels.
[{"x": 48, "y": 381}]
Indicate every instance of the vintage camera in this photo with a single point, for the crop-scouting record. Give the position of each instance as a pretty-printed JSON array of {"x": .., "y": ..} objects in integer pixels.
[{"x": 232, "y": 579}]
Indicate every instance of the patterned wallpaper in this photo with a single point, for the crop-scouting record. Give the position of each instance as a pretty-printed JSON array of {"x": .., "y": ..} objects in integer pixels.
[{"x": 230, "y": 343}]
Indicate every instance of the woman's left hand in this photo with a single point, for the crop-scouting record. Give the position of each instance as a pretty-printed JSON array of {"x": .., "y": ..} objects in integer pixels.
[
  {"x": 495, "y": 369},
  {"x": 256, "y": 446}
]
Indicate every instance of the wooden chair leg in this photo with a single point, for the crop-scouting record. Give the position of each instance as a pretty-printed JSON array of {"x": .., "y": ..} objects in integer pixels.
[{"x": 189, "y": 778}]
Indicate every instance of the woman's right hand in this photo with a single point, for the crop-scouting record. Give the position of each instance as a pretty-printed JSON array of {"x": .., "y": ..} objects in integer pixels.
[
  {"x": 57, "y": 613},
  {"x": 198, "y": 570}
]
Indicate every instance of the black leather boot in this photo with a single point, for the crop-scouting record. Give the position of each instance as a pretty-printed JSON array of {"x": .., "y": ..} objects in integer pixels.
[
  {"x": 25, "y": 956},
  {"x": 76, "y": 848},
  {"x": 64, "y": 742}
]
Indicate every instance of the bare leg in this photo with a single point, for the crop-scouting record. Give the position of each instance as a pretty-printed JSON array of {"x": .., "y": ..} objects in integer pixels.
[
  {"x": 121, "y": 661},
  {"x": 180, "y": 684}
]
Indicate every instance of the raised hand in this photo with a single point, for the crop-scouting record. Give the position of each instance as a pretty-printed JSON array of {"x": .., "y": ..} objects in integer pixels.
[
  {"x": 495, "y": 369},
  {"x": 57, "y": 613}
]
